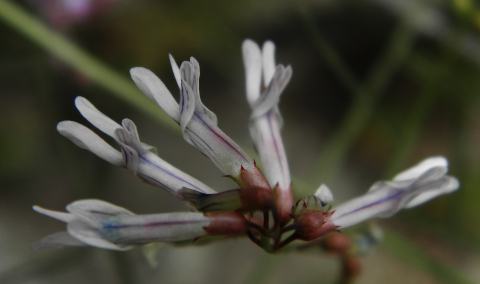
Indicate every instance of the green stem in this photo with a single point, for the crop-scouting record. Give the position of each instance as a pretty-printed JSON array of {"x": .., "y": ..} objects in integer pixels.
[{"x": 78, "y": 59}]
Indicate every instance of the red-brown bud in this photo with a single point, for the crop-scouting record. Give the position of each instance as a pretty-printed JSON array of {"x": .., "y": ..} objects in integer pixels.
[
  {"x": 336, "y": 242},
  {"x": 252, "y": 178},
  {"x": 226, "y": 223},
  {"x": 311, "y": 224},
  {"x": 310, "y": 220},
  {"x": 256, "y": 198}
]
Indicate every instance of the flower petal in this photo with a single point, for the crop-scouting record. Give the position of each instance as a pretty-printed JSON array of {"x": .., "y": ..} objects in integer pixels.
[
  {"x": 62, "y": 216},
  {"x": 201, "y": 131},
  {"x": 216, "y": 145},
  {"x": 324, "y": 194},
  {"x": 135, "y": 142},
  {"x": 95, "y": 117},
  {"x": 190, "y": 72},
  {"x": 268, "y": 58},
  {"x": 90, "y": 214},
  {"x": 86, "y": 139},
  {"x": 154, "y": 88},
  {"x": 57, "y": 240},
  {"x": 95, "y": 209},
  {"x": 187, "y": 107},
  {"x": 422, "y": 167},
  {"x": 130, "y": 155},
  {"x": 96, "y": 206},
  {"x": 91, "y": 236},
  {"x": 449, "y": 186},
  {"x": 131, "y": 128},
  {"x": 176, "y": 71},
  {"x": 157, "y": 172},
  {"x": 196, "y": 84},
  {"x": 366, "y": 207},
  {"x": 252, "y": 59},
  {"x": 386, "y": 198},
  {"x": 149, "y": 167},
  {"x": 129, "y": 150},
  {"x": 270, "y": 98}
]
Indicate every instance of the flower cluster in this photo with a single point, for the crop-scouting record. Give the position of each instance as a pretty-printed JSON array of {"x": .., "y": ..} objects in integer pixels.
[{"x": 232, "y": 212}]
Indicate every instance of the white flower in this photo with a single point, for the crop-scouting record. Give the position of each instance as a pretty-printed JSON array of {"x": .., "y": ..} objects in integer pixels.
[
  {"x": 266, "y": 121},
  {"x": 198, "y": 124},
  {"x": 136, "y": 156},
  {"x": 102, "y": 224},
  {"x": 410, "y": 188}
]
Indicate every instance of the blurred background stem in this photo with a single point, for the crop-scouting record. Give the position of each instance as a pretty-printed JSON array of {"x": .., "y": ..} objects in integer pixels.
[
  {"x": 365, "y": 96},
  {"x": 69, "y": 53}
]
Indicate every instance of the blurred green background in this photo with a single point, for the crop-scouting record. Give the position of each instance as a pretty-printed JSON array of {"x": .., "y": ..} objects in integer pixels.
[{"x": 377, "y": 86}]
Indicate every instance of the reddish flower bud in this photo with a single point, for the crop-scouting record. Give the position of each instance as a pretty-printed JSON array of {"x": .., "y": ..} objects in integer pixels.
[
  {"x": 252, "y": 178},
  {"x": 255, "y": 199},
  {"x": 310, "y": 220},
  {"x": 336, "y": 242}
]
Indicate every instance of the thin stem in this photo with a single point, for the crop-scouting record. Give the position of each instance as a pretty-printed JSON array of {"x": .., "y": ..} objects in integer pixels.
[
  {"x": 252, "y": 237},
  {"x": 285, "y": 242},
  {"x": 287, "y": 228},
  {"x": 266, "y": 219},
  {"x": 276, "y": 218},
  {"x": 256, "y": 227},
  {"x": 81, "y": 61},
  {"x": 350, "y": 268}
]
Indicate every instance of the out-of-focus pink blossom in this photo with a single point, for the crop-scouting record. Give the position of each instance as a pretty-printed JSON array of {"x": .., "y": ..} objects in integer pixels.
[{"x": 64, "y": 14}]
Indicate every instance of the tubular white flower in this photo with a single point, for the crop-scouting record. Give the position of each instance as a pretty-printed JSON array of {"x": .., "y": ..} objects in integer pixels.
[
  {"x": 137, "y": 157},
  {"x": 102, "y": 224},
  {"x": 198, "y": 124},
  {"x": 410, "y": 188},
  {"x": 266, "y": 121}
]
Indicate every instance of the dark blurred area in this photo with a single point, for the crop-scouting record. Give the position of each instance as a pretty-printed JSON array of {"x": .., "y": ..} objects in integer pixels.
[{"x": 377, "y": 86}]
